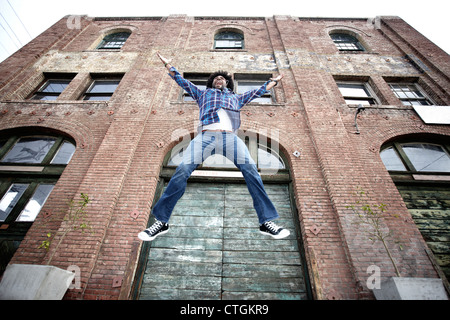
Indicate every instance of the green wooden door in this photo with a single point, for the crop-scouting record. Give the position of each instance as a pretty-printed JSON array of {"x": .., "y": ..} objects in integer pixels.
[
  {"x": 429, "y": 206},
  {"x": 214, "y": 249}
]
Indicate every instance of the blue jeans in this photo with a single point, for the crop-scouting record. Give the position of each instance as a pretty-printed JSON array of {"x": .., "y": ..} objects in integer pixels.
[{"x": 201, "y": 147}]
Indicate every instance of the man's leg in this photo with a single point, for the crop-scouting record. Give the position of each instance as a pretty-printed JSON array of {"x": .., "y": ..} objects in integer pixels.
[
  {"x": 192, "y": 158},
  {"x": 174, "y": 191},
  {"x": 263, "y": 205},
  {"x": 241, "y": 158}
]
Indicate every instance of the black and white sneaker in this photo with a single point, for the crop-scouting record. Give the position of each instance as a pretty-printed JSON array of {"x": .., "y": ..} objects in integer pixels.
[
  {"x": 271, "y": 229},
  {"x": 157, "y": 229}
]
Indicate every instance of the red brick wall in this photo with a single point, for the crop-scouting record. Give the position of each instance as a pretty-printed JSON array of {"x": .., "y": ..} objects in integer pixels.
[{"x": 122, "y": 143}]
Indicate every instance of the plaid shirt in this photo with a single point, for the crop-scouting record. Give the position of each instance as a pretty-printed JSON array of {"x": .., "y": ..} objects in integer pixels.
[{"x": 210, "y": 101}]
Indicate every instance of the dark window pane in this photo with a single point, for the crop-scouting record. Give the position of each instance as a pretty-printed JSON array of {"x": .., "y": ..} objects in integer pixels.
[
  {"x": 56, "y": 86},
  {"x": 229, "y": 36},
  {"x": 100, "y": 98},
  {"x": 229, "y": 40},
  {"x": 346, "y": 42},
  {"x": 101, "y": 86},
  {"x": 51, "y": 90},
  {"x": 29, "y": 150},
  {"x": 114, "y": 41}
]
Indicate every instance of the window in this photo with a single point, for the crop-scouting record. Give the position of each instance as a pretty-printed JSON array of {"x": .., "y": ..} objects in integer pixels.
[
  {"x": 29, "y": 169},
  {"x": 243, "y": 83},
  {"x": 427, "y": 157},
  {"x": 114, "y": 41},
  {"x": 41, "y": 150},
  {"x": 10, "y": 199},
  {"x": 346, "y": 42},
  {"x": 102, "y": 88},
  {"x": 30, "y": 166},
  {"x": 29, "y": 150},
  {"x": 53, "y": 86},
  {"x": 392, "y": 160},
  {"x": 357, "y": 93},
  {"x": 410, "y": 94},
  {"x": 247, "y": 82},
  {"x": 420, "y": 169},
  {"x": 416, "y": 157},
  {"x": 229, "y": 40},
  {"x": 36, "y": 202},
  {"x": 64, "y": 153}
]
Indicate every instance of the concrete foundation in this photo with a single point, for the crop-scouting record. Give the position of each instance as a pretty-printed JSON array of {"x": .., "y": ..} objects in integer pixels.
[
  {"x": 397, "y": 288},
  {"x": 34, "y": 282}
]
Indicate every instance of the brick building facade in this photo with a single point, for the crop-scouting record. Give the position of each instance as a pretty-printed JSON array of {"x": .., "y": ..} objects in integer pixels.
[{"x": 96, "y": 84}]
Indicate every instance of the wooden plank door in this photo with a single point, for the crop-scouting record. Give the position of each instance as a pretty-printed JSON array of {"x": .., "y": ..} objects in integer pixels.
[{"x": 214, "y": 249}]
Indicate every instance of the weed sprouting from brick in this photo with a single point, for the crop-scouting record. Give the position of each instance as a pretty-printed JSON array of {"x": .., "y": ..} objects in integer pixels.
[
  {"x": 76, "y": 219},
  {"x": 370, "y": 218}
]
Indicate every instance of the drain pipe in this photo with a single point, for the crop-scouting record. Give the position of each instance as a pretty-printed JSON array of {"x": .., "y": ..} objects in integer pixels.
[{"x": 360, "y": 108}]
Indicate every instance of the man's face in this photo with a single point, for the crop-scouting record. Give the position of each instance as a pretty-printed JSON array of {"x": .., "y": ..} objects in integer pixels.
[{"x": 219, "y": 82}]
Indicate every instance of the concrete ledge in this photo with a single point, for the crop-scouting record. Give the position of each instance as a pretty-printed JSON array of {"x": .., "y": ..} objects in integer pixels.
[
  {"x": 34, "y": 282},
  {"x": 399, "y": 288}
]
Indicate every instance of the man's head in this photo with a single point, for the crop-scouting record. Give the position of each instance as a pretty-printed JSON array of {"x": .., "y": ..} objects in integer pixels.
[{"x": 219, "y": 80}]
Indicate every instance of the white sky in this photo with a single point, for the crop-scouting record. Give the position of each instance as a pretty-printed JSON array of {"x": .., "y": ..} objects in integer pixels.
[{"x": 23, "y": 20}]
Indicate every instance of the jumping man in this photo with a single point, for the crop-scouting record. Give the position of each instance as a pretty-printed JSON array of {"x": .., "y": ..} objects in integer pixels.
[{"x": 219, "y": 120}]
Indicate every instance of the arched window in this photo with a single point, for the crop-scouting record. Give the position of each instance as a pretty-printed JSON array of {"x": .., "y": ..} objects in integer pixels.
[
  {"x": 229, "y": 39},
  {"x": 416, "y": 157},
  {"x": 29, "y": 169},
  {"x": 114, "y": 40},
  {"x": 265, "y": 157},
  {"x": 346, "y": 42},
  {"x": 30, "y": 166},
  {"x": 420, "y": 170}
]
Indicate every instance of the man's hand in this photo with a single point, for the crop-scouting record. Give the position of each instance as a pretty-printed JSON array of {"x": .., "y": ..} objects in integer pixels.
[
  {"x": 164, "y": 60},
  {"x": 277, "y": 78},
  {"x": 166, "y": 63},
  {"x": 273, "y": 83}
]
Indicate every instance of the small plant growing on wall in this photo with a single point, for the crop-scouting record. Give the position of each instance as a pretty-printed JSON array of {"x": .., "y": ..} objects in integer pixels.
[
  {"x": 370, "y": 218},
  {"x": 76, "y": 218}
]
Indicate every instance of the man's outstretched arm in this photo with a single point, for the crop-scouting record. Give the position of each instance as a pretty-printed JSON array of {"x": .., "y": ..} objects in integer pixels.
[
  {"x": 248, "y": 96},
  {"x": 186, "y": 85}
]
